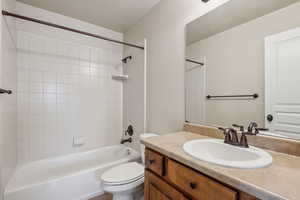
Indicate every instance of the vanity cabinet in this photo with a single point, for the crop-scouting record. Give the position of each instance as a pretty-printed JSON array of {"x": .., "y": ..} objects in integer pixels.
[{"x": 166, "y": 179}]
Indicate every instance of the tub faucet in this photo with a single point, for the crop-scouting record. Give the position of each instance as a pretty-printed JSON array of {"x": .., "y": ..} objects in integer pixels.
[{"x": 129, "y": 140}]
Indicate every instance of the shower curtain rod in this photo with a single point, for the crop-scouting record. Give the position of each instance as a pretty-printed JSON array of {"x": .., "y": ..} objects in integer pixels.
[
  {"x": 6, "y": 13},
  {"x": 195, "y": 62}
]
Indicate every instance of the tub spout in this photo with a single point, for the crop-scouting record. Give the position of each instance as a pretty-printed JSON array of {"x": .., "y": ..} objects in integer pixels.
[{"x": 129, "y": 140}]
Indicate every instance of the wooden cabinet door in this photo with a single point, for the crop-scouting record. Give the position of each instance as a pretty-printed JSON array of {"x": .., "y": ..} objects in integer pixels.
[
  {"x": 196, "y": 184},
  {"x": 154, "y": 162},
  {"x": 157, "y": 189},
  {"x": 244, "y": 196}
]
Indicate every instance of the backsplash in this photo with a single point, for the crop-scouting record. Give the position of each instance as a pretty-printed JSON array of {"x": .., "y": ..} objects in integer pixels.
[{"x": 65, "y": 90}]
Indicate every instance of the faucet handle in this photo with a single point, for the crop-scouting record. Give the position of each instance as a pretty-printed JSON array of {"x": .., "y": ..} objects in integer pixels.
[
  {"x": 260, "y": 129},
  {"x": 256, "y": 131},
  {"x": 129, "y": 130},
  {"x": 238, "y": 126},
  {"x": 221, "y": 128},
  {"x": 252, "y": 125},
  {"x": 226, "y": 132}
]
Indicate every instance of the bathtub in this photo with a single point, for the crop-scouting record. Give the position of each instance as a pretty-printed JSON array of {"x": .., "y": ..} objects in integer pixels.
[{"x": 71, "y": 177}]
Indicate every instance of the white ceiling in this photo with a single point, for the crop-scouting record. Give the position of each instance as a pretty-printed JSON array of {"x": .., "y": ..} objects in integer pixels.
[
  {"x": 117, "y": 15},
  {"x": 231, "y": 14}
]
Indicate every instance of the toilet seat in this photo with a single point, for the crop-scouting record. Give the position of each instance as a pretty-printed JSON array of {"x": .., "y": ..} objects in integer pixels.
[{"x": 123, "y": 174}]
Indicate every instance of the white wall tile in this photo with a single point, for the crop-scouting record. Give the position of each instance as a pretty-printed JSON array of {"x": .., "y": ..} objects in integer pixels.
[
  {"x": 65, "y": 91},
  {"x": 65, "y": 87}
]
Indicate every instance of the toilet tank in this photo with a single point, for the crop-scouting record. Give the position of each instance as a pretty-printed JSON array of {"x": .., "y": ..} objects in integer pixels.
[{"x": 142, "y": 136}]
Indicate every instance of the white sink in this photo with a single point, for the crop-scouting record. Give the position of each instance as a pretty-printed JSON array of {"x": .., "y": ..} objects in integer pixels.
[{"x": 217, "y": 152}]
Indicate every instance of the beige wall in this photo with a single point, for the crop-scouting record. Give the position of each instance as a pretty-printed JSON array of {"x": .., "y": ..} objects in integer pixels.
[
  {"x": 164, "y": 28},
  {"x": 8, "y": 103},
  {"x": 235, "y": 65}
]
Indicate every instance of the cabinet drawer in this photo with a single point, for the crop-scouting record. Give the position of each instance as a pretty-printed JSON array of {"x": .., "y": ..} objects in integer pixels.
[
  {"x": 157, "y": 189},
  {"x": 196, "y": 184},
  {"x": 154, "y": 162}
]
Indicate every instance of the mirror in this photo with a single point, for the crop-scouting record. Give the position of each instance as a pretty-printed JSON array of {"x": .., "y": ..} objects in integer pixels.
[{"x": 243, "y": 65}]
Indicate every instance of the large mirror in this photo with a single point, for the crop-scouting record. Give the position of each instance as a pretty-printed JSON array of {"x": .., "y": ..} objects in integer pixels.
[{"x": 243, "y": 65}]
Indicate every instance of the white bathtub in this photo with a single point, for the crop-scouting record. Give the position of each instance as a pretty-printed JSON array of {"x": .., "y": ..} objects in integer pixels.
[{"x": 71, "y": 177}]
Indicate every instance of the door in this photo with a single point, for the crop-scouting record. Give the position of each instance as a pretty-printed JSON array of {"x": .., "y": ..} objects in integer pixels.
[
  {"x": 157, "y": 189},
  {"x": 195, "y": 91},
  {"x": 282, "y": 75}
]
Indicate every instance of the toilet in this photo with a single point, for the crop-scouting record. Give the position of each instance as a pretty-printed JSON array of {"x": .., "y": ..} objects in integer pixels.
[{"x": 126, "y": 181}]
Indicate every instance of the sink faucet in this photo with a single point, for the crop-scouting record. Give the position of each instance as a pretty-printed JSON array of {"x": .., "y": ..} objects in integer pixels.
[{"x": 232, "y": 138}]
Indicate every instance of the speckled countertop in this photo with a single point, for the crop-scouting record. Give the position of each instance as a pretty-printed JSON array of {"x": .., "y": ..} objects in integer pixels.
[{"x": 279, "y": 181}]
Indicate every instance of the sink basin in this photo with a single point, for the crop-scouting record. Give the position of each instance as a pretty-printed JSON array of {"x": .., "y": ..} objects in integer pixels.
[{"x": 217, "y": 152}]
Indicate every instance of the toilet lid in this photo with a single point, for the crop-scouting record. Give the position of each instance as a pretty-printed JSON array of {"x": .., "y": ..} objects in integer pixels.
[{"x": 123, "y": 173}]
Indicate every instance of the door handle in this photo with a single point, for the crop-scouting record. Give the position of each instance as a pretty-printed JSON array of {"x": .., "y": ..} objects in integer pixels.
[{"x": 270, "y": 118}]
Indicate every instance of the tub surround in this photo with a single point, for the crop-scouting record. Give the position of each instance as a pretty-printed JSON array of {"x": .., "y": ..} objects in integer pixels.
[
  {"x": 58, "y": 74},
  {"x": 276, "y": 182}
]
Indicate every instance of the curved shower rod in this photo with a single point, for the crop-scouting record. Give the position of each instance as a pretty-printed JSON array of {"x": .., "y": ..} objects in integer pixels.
[
  {"x": 6, "y": 13},
  {"x": 195, "y": 62}
]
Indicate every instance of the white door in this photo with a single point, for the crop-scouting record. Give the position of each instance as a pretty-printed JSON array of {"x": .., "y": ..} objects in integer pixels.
[
  {"x": 195, "y": 93},
  {"x": 282, "y": 74}
]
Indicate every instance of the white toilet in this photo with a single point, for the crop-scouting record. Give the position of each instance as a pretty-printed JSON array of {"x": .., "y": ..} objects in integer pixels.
[{"x": 125, "y": 181}]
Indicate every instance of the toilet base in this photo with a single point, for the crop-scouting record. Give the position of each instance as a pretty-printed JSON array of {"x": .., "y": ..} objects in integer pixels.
[
  {"x": 133, "y": 194},
  {"x": 127, "y": 197},
  {"x": 123, "y": 197}
]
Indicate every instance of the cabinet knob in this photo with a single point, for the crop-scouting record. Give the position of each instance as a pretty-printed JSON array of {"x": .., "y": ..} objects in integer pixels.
[
  {"x": 193, "y": 185},
  {"x": 151, "y": 161}
]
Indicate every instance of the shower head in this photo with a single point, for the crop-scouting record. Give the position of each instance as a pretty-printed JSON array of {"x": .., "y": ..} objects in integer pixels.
[{"x": 124, "y": 60}]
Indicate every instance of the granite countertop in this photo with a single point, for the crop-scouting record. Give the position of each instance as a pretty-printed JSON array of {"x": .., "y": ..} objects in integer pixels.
[{"x": 280, "y": 180}]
